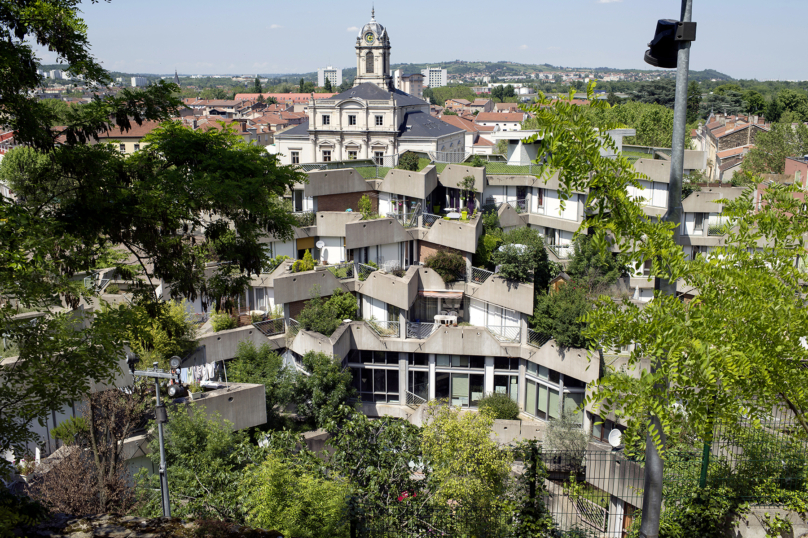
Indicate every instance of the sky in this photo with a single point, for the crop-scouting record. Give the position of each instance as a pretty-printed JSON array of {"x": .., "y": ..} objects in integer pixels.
[{"x": 741, "y": 38}]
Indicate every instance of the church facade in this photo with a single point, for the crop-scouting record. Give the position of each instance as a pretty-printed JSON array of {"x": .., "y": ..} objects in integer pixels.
[{"x": 372, "y": 120}]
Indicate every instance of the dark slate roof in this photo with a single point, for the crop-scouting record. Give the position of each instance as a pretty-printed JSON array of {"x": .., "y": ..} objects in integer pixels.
[
  {"x": 421, "y": 125},
  {"x": 368, "y": 90},
  {"x": 297, "y": 130}
]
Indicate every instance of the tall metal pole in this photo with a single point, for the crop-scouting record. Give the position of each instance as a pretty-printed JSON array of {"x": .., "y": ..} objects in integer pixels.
[
  {"x": 160, "y": 416},
  {"x": 652, "y": 493}
]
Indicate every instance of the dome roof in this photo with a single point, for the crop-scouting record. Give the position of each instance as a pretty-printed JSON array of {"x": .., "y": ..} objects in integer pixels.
[{"x": 372, "y": 26}]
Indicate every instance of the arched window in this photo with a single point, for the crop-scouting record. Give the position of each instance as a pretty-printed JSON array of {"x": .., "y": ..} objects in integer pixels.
[{"x": 369, "y": 62}]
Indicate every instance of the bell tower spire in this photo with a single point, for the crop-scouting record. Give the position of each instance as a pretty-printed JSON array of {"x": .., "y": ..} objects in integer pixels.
[{"x": 373, "y": 55}]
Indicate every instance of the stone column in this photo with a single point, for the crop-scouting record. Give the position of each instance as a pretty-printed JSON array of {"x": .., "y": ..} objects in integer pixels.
[
  {"x": 615, "y": 524},
  {"x": 489, "y": 375},
  {"x": 522, "y": 384},
  {"x": 402, "y": 377},
  {"x": 431, "y": 376}
]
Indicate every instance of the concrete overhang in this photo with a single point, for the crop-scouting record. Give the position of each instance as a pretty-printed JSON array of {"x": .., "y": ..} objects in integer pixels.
[
  {"x": 340, "y": 181},
  {"x": 407, "y": 183},
  {"x": 368, "y": 233},
  {"x": 293, "y": 287}
]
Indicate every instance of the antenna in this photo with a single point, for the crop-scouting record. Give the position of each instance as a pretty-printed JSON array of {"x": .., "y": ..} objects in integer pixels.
[{"x": 615, "y": 438}]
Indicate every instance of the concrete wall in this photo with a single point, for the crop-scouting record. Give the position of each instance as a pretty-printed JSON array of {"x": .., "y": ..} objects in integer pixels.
[
  {"x": 391, "y": 289},
  {"x": 332, "y": 223},
  {"x": 508, "y": 294},
  {"x": 454, "y": 234},
  {"x": 415, "y": 184},
  {"x": 223, "y": 345},
  {"x": 243, "y": 404},
  {"x": 453, "y": 175},
  {"x": 326, "y": 182},
  {"x": 369, "y": 233},
  {"x": 292, "y": 287},
  {"x": 569, "y": 361}
]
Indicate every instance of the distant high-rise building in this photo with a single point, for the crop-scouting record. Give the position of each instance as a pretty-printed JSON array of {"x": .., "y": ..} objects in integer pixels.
[
  {"x": 334, "y": 74},
  {"x": 412, "y": 84},
  {"x": 56, "y": 74},
  {"x": 434, "y": 77},
  {"x": 176, "y": 78},
  {"x": 138, "y": 82}
]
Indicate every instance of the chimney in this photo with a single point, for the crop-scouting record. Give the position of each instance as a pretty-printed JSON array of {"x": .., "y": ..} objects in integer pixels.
[{"x": 194, "y": 124}]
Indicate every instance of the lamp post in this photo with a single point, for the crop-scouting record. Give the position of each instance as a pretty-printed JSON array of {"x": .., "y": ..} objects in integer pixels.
[
  {"x": 160, "y": 415},
  {"x": 669, "y": 48}
]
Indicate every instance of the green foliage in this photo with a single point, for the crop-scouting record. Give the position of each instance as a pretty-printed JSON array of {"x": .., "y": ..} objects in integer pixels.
[
  {"x": 467, "y": 465},
  {"x": 223, "y": 322},
  {"x": 477, "y": 162},
  {"x": 486, "y": 245},
  {"x": 261, "y": 365},
  {"x": 502, "y": 93},
  {"x": 592, "y": 266},
  {"x": 693, "y": 101},
  {"x": 450, "y": 265},
  {"x": 754, "y": 102},
  {"x": 499, "y": 406},
  {"x": 295, "y": 501},
  {"x": 319, "y": 395},
  {"x": 772, "y": 147},
  {"x": 375, "y": 456},
  {"x": 467, "y": 190},
  {"x": 206, "y": 461},
  {"x": 560, "y": 314},
  {"x": 523, "y": 258},
  {"x": 365, "y": 207},
  {"x": 18, "y": 510},
  {"x": 166, "y": 331},
  {"x": 440, "y": 95},
  {"x": 112, "y": 289},
  {"x": 491, "y": 223},
  {"x": 408, "y": 161},
  {"x": 325, "y": 316},
  {"x": 274, "y": 263},
  {"x": 528, "y": 491},
  {"x": 70, "y": 431},
  {"x": 304, "y": 264},
  {"x": 653, "y": 122},
  {"x": 327, "y": 86},
  {"x": 565, "y": 434}
]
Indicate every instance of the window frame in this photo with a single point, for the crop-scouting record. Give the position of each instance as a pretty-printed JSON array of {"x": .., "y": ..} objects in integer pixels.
[
  {"x": 295, "y": 157},
  {"x": 326, "y": 119},
  {"x": 379, "y": 120},
  {"x": 326, "y": 155},
  {"x": 351, "y": 119}
]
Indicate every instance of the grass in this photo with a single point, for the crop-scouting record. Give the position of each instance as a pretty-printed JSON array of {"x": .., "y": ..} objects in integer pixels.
[{"x": 369, "y": 172}]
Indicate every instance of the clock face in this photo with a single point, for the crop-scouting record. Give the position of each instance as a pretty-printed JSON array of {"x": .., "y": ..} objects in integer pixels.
[{"x": 369, "y": 38}]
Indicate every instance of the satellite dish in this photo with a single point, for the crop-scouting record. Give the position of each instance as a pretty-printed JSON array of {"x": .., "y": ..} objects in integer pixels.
[
  {"x": 319, "y": 244},
  {"x": 615, "y": 438}
]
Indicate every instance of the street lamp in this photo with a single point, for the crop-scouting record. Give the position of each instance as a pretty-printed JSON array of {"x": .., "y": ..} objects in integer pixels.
[{"x": 160, "y": 414}]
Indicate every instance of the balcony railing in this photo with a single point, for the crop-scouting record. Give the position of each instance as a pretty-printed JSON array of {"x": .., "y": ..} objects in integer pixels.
[
  {"x": 505, "y": 334},
  {"x": 292, "y": 327},
  {"x": 385, "y": 329},
  {"x": 363, "y": 271},
  {"x": 305, "y": 218},
  {"x": 343, "y": 271},
  {"x": 420, "y": 331},
  {"x": 270, "y": 327},
  {"x": 478, "y": 276},
  {"x": 408, "y": 219},
  {"x": 537, "y": 340},
  {"x": 430, "y": 218},
  {"x": 718, "y": 229},
  {"x": 518, "y": 204},
  {"x": 562, "y": 252},
  {"x": 414, "y": 401}
]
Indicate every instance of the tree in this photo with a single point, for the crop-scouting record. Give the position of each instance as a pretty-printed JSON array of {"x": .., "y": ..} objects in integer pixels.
[
  {"x": 261, "y": 365},
  {"x": 796, "y": 102},
  {"x": 327, "y": 86},
  {"x": 447, "y": 263},
  {"x": 754, "y": 102},
  {"x": 693, "y": 101},
  {"x": 257, "y": 86},
  {"x": 593, "y": 267},
  {"x": 295, "y": 501},
  {"x": 408, "y": 161},
  {"x": 560, "y": 314},
  {"x": 774, "y": 109},
  {"x": 468, "y": 189},
  {"x": 327, "y": 386},
  {"x": 499, "y": 406},
  {"x": 302, "y": 86},
  {"x": 90, "y": 197},
  {"x": 468, "y": 467},
  {"x": 324, "y": 316},
  {"x": 773, "y": 146},
  {"x": 169, "y": 331},
  {"x": 522, "y": 257}
]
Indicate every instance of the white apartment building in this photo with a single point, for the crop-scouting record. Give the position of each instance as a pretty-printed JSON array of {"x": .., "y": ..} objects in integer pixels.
[
  {"x": 434, "y": 77},
  {"x": 333, "y": 74},
  {"x": 56, "y": 74},
  {"x": 412, "y": 84},
  {"x": 138, "y": 82}
]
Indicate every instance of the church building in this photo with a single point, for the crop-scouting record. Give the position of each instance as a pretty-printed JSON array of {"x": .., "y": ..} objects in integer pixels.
[{"x": 372, "y": 120}]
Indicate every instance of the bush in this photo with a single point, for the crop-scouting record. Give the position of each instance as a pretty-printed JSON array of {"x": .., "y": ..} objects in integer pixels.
[
  {"x": 112, "y": 289},
  {"x": 365, "y": 207},
  {"x": 528, "y": 263},
  {"x": 559, "y": 313},
  {"x": 477, "y": 162},
  {"x": 306, "y": 264},
  {"x": 223, "y": 322},
  {"x": 408, "y": 161},
  {"x": 448, "y": 264},
  {"x": 491, "y": 223},
  {"x": 500, "y": 406},
  {"x": 71, "y": 430},
  {"x": 485, "y": 248},
  {"x": 273, "y": 263},
  {"x": 325, "y": 316}
]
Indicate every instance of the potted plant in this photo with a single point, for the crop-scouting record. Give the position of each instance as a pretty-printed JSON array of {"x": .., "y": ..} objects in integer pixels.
[{"x": 194, "y": 391}]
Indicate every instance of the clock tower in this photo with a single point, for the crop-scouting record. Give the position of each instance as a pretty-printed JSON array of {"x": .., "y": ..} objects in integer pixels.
[{"x": 373, "y": 55}]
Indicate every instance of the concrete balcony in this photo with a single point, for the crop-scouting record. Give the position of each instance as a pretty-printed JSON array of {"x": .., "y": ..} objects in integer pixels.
[
  {"x": 412, "y": 184},
  {"x": 368, "y": 233},
  {"x": 293, "y": 287}
]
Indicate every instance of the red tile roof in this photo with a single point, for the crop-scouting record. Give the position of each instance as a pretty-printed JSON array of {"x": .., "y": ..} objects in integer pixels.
[
  {"x": 461, "y": 123},
  {"x": 500, "y": 117},
  {"x": 734, "y": 151},
  {"x": 483, "y": 142},
  {"x": 286, "y": 97}
]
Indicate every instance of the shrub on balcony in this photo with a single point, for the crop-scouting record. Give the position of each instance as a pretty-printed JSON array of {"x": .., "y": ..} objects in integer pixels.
[
  {"x": 306, "y": 264},
  {"x": 366, "y": 208},
  {"x": 559, "y": 313},
  {"x": 477, "y": 162},
  {"x": 486, "y": 246},
  {"x": 448, "y": 264},
  {"x": 500, "y": 406},
  {"x": 523, "y": 258},
  {"x": 222, "y": 322},
  {"x": 408, "y": 161},
  {"x": 324, "y": 316}
]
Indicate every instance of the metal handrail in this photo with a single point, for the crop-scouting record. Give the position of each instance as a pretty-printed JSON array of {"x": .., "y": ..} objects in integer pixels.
[
  {"x": 342, "y": 271},
  {"x": 505, "y": 334},
  {"x": 363, "y": 271},
  {"x": 414, "y": 401},
  {"x": 292, "y": 327},
  {"x": 478, "y": 276},
  {"x": 305, "y": 218},
  {"x": 385, "y": 329},
  {"x": 420, "y": 331},
  {"x": 562, "y": 252},
  {"x": 430, "y": 218},
  {"x": 270, "y": 327},
  {"x": 537, "y": 339}
]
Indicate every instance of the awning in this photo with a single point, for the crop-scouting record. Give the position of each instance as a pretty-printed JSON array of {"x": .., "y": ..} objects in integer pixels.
[{"x": 441, "y": 294}]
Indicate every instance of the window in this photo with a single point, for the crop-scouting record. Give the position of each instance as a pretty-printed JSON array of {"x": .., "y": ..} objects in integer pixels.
[
  {"x": 418, "y": 383},
  {"x": 369, "y": 62},
  {"x": 540, "y": 196},
  {"x": 123, "y": 148},
  {"x": 295, "y": 157},
  {"x": 378, "y": 157},
  {"x": 326, "y": 155},
  {"x": 699, "y": 224},
  {"x": 351, "y": 155},
  {"x": 376, "y": 384},
  {"x": 137, "y": 147},
  {"x": 352, "y": 119},
  {"x": 326, "y": 119},
  {"x": 379, "y": 121}
]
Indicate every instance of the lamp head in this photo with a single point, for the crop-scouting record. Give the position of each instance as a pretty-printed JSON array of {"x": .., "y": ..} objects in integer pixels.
[
  {"x": 664, "y": 49},
  {"x": 174, "y": 362},
  {"x": 131, "y": 361}
]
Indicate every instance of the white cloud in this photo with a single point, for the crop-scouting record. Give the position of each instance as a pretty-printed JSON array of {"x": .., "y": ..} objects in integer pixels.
[
  {"x": 275, "y": 27},
  {"x": 353, "y": 28},
  {"x": 608, "y": 1},
  {"x": 523, "y": 47}
]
